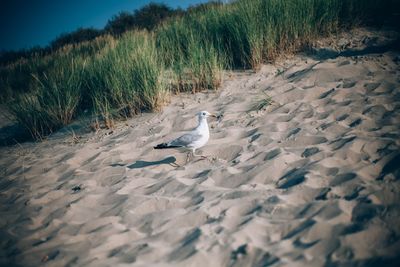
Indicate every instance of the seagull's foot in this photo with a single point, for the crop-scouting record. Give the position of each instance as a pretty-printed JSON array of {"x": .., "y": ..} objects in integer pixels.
[
  {"x": 209, "y": 158},
  {"x": 175, "y": 165},
  {"x": 203, "y": 157},
  {"x": 199, "y": 156}
]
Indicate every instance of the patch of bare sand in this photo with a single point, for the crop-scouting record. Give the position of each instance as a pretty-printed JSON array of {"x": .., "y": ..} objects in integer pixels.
[{"x": 311, "y": 180}]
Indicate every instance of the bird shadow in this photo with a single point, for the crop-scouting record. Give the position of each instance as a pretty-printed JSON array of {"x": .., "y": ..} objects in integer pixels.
[{"x": 142, "y": 164}]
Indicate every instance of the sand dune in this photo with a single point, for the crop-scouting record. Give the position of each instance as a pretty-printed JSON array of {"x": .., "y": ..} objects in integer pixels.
[{"x": 310, "y": 180}]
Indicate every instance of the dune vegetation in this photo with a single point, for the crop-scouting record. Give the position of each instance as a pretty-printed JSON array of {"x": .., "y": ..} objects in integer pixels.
[{"x": 115, "y": 77}]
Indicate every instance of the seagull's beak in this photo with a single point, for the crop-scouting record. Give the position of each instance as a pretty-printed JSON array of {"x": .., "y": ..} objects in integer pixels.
[{"x": 213, "y": 115}]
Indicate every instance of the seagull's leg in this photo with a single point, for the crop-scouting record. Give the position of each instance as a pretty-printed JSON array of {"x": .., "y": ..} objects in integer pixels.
[
  {"x": 206, "y": 157},
  {"x": 193, "y": 154},
  {"x": 189, "y": 156},
  {"x": 201, "y": 156}
]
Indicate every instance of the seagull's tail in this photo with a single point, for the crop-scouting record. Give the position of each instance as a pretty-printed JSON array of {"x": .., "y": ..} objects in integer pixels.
[{"x": 164, "y": 145}]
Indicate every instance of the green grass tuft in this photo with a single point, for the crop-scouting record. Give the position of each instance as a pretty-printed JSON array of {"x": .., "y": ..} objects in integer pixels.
[
  {"x": 125, "y": 78},
  {"x": 55, "y": 98},
  {"x": 114, "y": 78}
]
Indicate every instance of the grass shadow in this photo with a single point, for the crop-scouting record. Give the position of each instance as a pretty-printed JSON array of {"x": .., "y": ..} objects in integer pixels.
[
  {"x": 324, "y": 53},
  {"x": 14, "y": 134}
]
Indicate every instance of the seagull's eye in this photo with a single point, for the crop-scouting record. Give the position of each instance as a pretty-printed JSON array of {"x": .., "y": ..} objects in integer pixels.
[{"x": 204, "y": 113}]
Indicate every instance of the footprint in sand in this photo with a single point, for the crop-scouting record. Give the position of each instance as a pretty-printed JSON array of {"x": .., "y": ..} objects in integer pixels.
[
  {"x": 343, "y": 63},
  {"x": 342, "y": 178},
  {"x": 272, "y": 154},
  {"x": 341, "y": 142},
  {"x": 355, "y": 123},
  {"x": 293, "y": 132},
  {"x": 322, "y": 195},
  {"x": 364, "y": 212},
  {"x": 349, "y": 84},
  {"x": 370, "y": 87},
  {"x": 342, "y": 117},
  {"x": 292, "y": 178},
  {"x": 327, "y": 93},
  {"x": 308, "y": 152}
]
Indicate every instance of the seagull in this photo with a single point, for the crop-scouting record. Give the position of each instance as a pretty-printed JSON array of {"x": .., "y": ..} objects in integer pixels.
[{"x": 194, "y": 139}]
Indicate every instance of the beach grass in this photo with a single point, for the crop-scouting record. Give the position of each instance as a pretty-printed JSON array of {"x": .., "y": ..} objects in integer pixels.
[
  {"x": 54, "y": 98},
  {"x": 119, "y": 77},
  {"x": 126, "y": 77}
]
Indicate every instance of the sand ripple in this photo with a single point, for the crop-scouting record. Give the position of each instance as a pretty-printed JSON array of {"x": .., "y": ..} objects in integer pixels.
[{"x": 311, "y": 180}]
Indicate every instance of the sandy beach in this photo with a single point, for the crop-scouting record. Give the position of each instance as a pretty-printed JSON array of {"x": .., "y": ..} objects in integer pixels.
[{"x": 310, "y": 180}]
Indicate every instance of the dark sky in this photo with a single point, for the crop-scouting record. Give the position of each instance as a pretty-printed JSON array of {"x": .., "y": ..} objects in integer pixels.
[{"x": 26, "y": 23}]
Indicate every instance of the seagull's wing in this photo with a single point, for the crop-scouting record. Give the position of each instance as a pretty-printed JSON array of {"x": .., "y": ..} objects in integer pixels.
[{"x": 185, "y": 140}]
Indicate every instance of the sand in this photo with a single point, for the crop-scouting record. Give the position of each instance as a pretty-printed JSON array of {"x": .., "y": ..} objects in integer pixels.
[{"x": 310, "y": 180}]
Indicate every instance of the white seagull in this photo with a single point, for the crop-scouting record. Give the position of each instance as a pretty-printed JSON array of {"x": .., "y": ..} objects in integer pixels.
[{"x": 194, "y": 139}]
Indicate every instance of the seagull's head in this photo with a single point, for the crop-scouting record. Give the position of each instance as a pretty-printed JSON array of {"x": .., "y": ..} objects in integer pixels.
[{"x": 205, "y": 114}]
